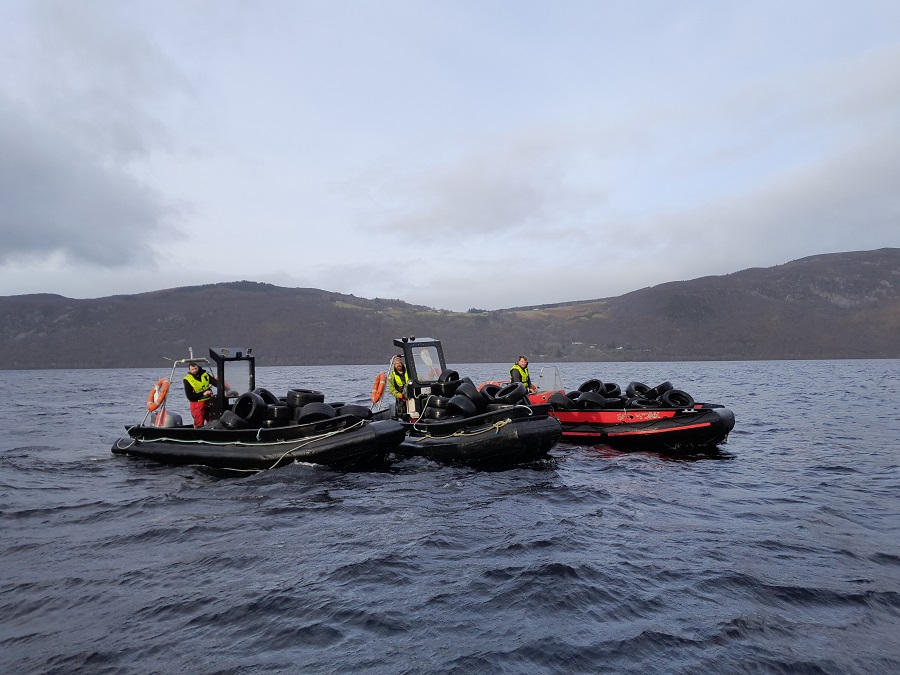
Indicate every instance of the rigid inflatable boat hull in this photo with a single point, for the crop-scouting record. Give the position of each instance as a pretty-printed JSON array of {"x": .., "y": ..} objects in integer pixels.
[
  {"x": 515, "y": 435},
  {"x": 648, "y": 429},
  {"x": 342, "y": 440}
]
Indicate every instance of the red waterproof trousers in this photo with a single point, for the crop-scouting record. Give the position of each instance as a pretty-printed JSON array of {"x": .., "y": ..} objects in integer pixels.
[{"x": 200, "y": 412}]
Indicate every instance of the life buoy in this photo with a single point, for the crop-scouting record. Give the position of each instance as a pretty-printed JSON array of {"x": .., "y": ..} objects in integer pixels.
[
  {"x": 378, "y": 387},
  {"x": 158, "y": 394}
]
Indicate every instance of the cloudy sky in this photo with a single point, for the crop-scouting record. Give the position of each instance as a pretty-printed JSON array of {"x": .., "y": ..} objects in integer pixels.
[{"x": 451, "y": 153}]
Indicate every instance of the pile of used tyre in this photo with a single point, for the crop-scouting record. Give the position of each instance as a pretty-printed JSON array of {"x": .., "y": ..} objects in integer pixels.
[
  {"x": 260, "y": 408},
  {"x": 597, "y": 395},
  {"x": 453, "y": 397}
]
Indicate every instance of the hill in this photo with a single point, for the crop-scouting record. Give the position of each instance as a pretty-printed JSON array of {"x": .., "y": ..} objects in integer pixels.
[{"x": 843, "y": 305}]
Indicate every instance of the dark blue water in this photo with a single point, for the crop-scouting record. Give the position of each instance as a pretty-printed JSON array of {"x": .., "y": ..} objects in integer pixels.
[{"x": 781, "y": 554}]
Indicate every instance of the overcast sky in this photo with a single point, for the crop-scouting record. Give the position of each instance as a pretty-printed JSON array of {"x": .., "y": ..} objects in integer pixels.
[{"x": 449, "y": 153}]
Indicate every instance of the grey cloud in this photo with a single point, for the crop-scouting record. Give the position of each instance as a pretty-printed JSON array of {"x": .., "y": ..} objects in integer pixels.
[
  {"x": 847, "y": 202},
  {"x": 521, "y": 184},
  {"x": 56, "y": 198},
  {"x": 78, "y": 110}
]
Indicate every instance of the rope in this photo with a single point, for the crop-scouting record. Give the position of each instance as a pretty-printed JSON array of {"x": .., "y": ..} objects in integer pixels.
[
  {"x": 308, "y": 440},
  {"x": 303, "y": 444},
  {"x": 495, "y": 427}
]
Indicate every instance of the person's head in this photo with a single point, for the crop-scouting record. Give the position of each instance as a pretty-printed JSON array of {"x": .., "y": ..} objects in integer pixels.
[
  {"x": 398, "y": 363},
  {"x": 522, "y": 361},
  {"x": 194, "y": 368}
]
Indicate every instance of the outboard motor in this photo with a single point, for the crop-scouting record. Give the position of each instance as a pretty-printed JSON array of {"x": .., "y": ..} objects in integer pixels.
[{"x": 164, "y": 418}]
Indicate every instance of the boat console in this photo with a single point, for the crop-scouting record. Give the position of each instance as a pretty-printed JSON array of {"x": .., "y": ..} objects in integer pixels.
[{"x": 424, "y": 359}]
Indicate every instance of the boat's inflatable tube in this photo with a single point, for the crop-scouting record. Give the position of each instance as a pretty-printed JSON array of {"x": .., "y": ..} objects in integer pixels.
[{"x": 158, "y": 394}]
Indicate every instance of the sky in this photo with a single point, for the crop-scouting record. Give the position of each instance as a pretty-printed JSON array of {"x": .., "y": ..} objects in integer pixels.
[{"x": 450, "y": 153}]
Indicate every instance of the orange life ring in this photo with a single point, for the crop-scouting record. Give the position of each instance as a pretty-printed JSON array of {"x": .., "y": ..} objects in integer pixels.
[
  {"x": 158, "y": 394},
  {"x": 378, "y": 387}
]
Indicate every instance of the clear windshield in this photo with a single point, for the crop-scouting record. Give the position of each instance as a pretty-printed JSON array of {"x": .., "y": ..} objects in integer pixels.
[
  {"x": 549, "y": 380},
  {"x": 427, "y": 363},
  {"x": 237, "y": 376}
]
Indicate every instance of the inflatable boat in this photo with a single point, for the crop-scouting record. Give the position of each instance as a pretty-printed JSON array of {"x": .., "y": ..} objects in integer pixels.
[
  {"x": 251, "y": 429},
  {"x": 447, "y": 419},
  {"x": 640, "y": 418}
]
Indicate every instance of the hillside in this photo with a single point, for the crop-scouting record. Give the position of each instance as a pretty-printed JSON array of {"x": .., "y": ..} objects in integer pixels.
[{"x": 844, "y": 305}]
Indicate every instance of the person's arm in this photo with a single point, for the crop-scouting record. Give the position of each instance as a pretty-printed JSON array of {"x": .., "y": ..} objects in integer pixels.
[
  {"x": 515, "y": 375},
  {"x": 392, "y": 387},
  {"x": 190, "y": 393}
]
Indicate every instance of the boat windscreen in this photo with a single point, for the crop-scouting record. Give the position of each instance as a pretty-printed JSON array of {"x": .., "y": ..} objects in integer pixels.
[
  {"x": 427, "y": 363},
  {"x": 237, "y": 377},
  {"x": 549, "y": 380}
]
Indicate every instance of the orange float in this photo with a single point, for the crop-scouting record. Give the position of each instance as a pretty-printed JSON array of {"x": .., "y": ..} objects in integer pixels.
[
  {"x": 158, "y": 394},
  {"x": 378, "y": 387}
]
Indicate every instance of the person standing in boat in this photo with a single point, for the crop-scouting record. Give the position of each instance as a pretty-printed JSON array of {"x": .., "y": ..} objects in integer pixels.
[
  {"x": 397, "y": 381},
  {"x": 198, "y": 389},
  {"x": 519, "y": 373}
]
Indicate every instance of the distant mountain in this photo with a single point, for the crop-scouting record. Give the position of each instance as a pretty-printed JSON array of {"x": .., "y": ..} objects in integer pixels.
[{"x": 842, "y": 305}]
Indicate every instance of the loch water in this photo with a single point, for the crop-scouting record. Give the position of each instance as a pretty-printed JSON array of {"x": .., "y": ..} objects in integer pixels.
[{"x": 779, "y": 554}]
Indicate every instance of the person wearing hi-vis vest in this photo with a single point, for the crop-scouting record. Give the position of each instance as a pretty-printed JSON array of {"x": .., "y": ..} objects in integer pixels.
[
  {"x": 519, "y": 373},
  {"x": 397, "y": 380},
  {"x": 198, "y": 391}
]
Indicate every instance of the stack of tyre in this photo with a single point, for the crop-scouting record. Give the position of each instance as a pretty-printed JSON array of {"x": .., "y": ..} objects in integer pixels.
[
  {"x": 597, "y": 395},
  {"x": 260, "y": 408},
  {"x": 453, "y": 397}
]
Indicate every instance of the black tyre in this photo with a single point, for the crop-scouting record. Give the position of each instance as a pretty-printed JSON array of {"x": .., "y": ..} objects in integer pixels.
[
  {"x": 675, "y": 398},
  {"x": 489, "y": 391},
  {"x": 436, "y": 414},
  {"x": 574, "y": 395},
  {"x": 462, "y": 405},
  {"x": 437, "y": 402},
  {"x": 273, "y": 424},
  {"x": 445, "y": 388},
  {"x": 267, "y": 396},
  {"x": 642, "y": 403},
  {"x": 231, "y": 420},
  {"x": 251, "y": 407},
  {"x": 279, "y": 412},
  {"x": 361, "y": 411},
  {"x": 658, "y": 390},
  {"x": 471, "y": 392},
  {"x": 595, "y": 386},
  {"x": 610, "y": 390},
  {"x": 297, "y": 398},
  {"x": 616, "y": 402},
  {"x": 511, "y": 394},
  {"x": 560, "y": 401},
  {"x": 448, "y": 376},
  {"x": 590, "y": 400},
  {"x": 314, "y": 412},
  {"x": 636, "y": 389}
]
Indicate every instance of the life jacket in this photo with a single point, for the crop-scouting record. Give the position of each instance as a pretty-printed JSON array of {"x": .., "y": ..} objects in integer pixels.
[
  {"x": 199, "y": 385},
  {"x": 523, "y": 372},
  {"x": 397, "y": 381}
]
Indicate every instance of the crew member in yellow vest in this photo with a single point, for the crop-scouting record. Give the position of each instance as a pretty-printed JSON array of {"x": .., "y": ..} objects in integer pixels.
[
  {"x": 398, "y": 379},
  {"x": 199, "y": 392},
  {"x": 519, "y": 373}
]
